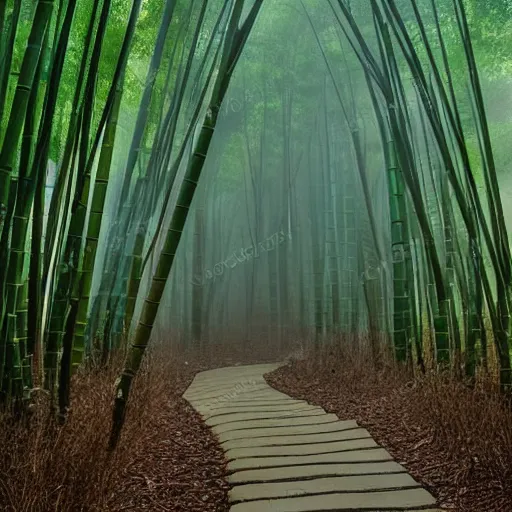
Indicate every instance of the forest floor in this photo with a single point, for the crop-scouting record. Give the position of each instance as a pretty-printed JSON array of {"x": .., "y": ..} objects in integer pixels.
[
  {"x": 167, "y": 459},
  {"x": 453, "y": 439}
]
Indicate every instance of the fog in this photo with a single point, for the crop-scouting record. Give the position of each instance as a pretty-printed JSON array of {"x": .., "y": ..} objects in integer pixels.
[{"x": 290, "y": 234}]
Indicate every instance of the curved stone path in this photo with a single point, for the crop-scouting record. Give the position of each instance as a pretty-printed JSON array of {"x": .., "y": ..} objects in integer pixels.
[{"x": 285, "y": 455}]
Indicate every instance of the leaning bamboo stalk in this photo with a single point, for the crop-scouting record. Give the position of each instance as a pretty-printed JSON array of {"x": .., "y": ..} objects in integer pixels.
[
  {"x": 16, "y": 258},
  {"x": 6, "y": 52},
  {"x": 30, "y": 172},
  {"x": 234, "y": 42},
  {"x": 58, "y": 202},
  {"x": 9, "y": 150},
  {"x": 128, "y": 202},
  {"x": 6, "y": 328},
  {"x": 65, "y": 307},
  {"x": 136, "y": 261},
  {"x": 68, "y": 267},
  {"x": 94, "y": 227}
]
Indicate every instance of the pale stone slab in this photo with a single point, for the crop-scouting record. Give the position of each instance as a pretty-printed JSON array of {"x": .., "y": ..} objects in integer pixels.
[
  {"x": 270, "y": 398},
  {"x": 401, "y": 499},
  {"x": 234, "y": 372},
  {"x": 371, "y": 455},
  {"x": 307, "y": 472},
  {"x": 248, "y": 405},
  {"x": 341, "y": 435},
  {"x": 204, "y": 386},
  {"x": 300, "y": 449},
  {"x": 268, "y": 406},
  {"x": 255, "y": 409},
  {"x": 283, "y": 422},
  {"x": 227, "y": 381},
  {"x": 267, "y": 392},
  {"x": 224, "y": 398},
  {"x": 198, "y": 382},
  {"x": 360, "y": 483},
  {"x": 287, "y": 430},
  {"x": 261, "y": 394},
  {"x": 288, "y": 456},
  {"x": 244, "y": 416},
  {"x": 222, "y": 403},
  {"x": 215, "y": 393},
  {"x": 207, "y": 384},
  {"x": 236, "y": 390},
  {"x": 220, "y": 400}
]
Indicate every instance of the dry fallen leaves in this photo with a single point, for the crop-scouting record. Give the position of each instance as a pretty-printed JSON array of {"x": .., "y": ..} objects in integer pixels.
[{"x": 455, "y": 440}]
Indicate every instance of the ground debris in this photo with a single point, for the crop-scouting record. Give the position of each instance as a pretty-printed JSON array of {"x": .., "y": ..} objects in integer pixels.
[{"x": 454, "y": 440}]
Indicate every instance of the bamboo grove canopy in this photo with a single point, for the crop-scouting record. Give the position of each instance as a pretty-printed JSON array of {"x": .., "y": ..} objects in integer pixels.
[{"x": 194, "y": 171}]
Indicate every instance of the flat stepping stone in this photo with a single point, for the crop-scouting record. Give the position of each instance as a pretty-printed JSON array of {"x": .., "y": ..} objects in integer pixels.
[
  {"x": 232, "y": 396},
  {"x": 300, "y": 449},
  {"x": 285, "y": 455},
  {"x": 240, "y": 384},
  {"x": 358, "y": 483},
  {"x": 372, "y": 455},
  {"x": 209, "y": 413},
  {"x": 258, "y": 402},
  {"x": 248, "y": 405},
  {"x": 218, "y": 393},
  {"x": 269, "y": 398},
  {"x": 376, "y": 501},
  {"x": 281, "y": 432},
  {"x": 243, "y": 416},
  {"x": 312, "y": 472},
  {"x": 328, "y": 437},
  {"x": 256, "y": 408},
  {"x": 234, "y": 373},
  {"x": 279, "y": 422},
  {"x": 264, "y": 406}
]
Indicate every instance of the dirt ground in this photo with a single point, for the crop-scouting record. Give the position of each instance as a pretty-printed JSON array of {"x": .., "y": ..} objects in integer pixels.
[
  {"x": 455, "y": 440},
  {"x": 167, "y": 458}
]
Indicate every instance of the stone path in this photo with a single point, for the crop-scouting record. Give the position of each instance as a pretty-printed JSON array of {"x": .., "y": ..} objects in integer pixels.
[{"x": 285, "y": 455}]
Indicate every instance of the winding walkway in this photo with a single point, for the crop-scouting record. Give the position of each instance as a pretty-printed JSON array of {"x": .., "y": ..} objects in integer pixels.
[{"x": 285, "y": 455}]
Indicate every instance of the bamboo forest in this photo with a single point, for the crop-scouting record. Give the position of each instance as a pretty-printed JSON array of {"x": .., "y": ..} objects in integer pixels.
[{"x": 255, "y": 256}]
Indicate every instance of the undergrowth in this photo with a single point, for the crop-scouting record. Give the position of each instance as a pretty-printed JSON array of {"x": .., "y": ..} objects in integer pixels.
[
  {"x": 47, "y": 467},
  {"x": 167, "y": 459},
  {"x": 453, "y": 437}
]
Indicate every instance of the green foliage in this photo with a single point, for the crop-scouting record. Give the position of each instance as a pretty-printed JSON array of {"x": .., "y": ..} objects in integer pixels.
[{"x": 308, "y": 122}]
